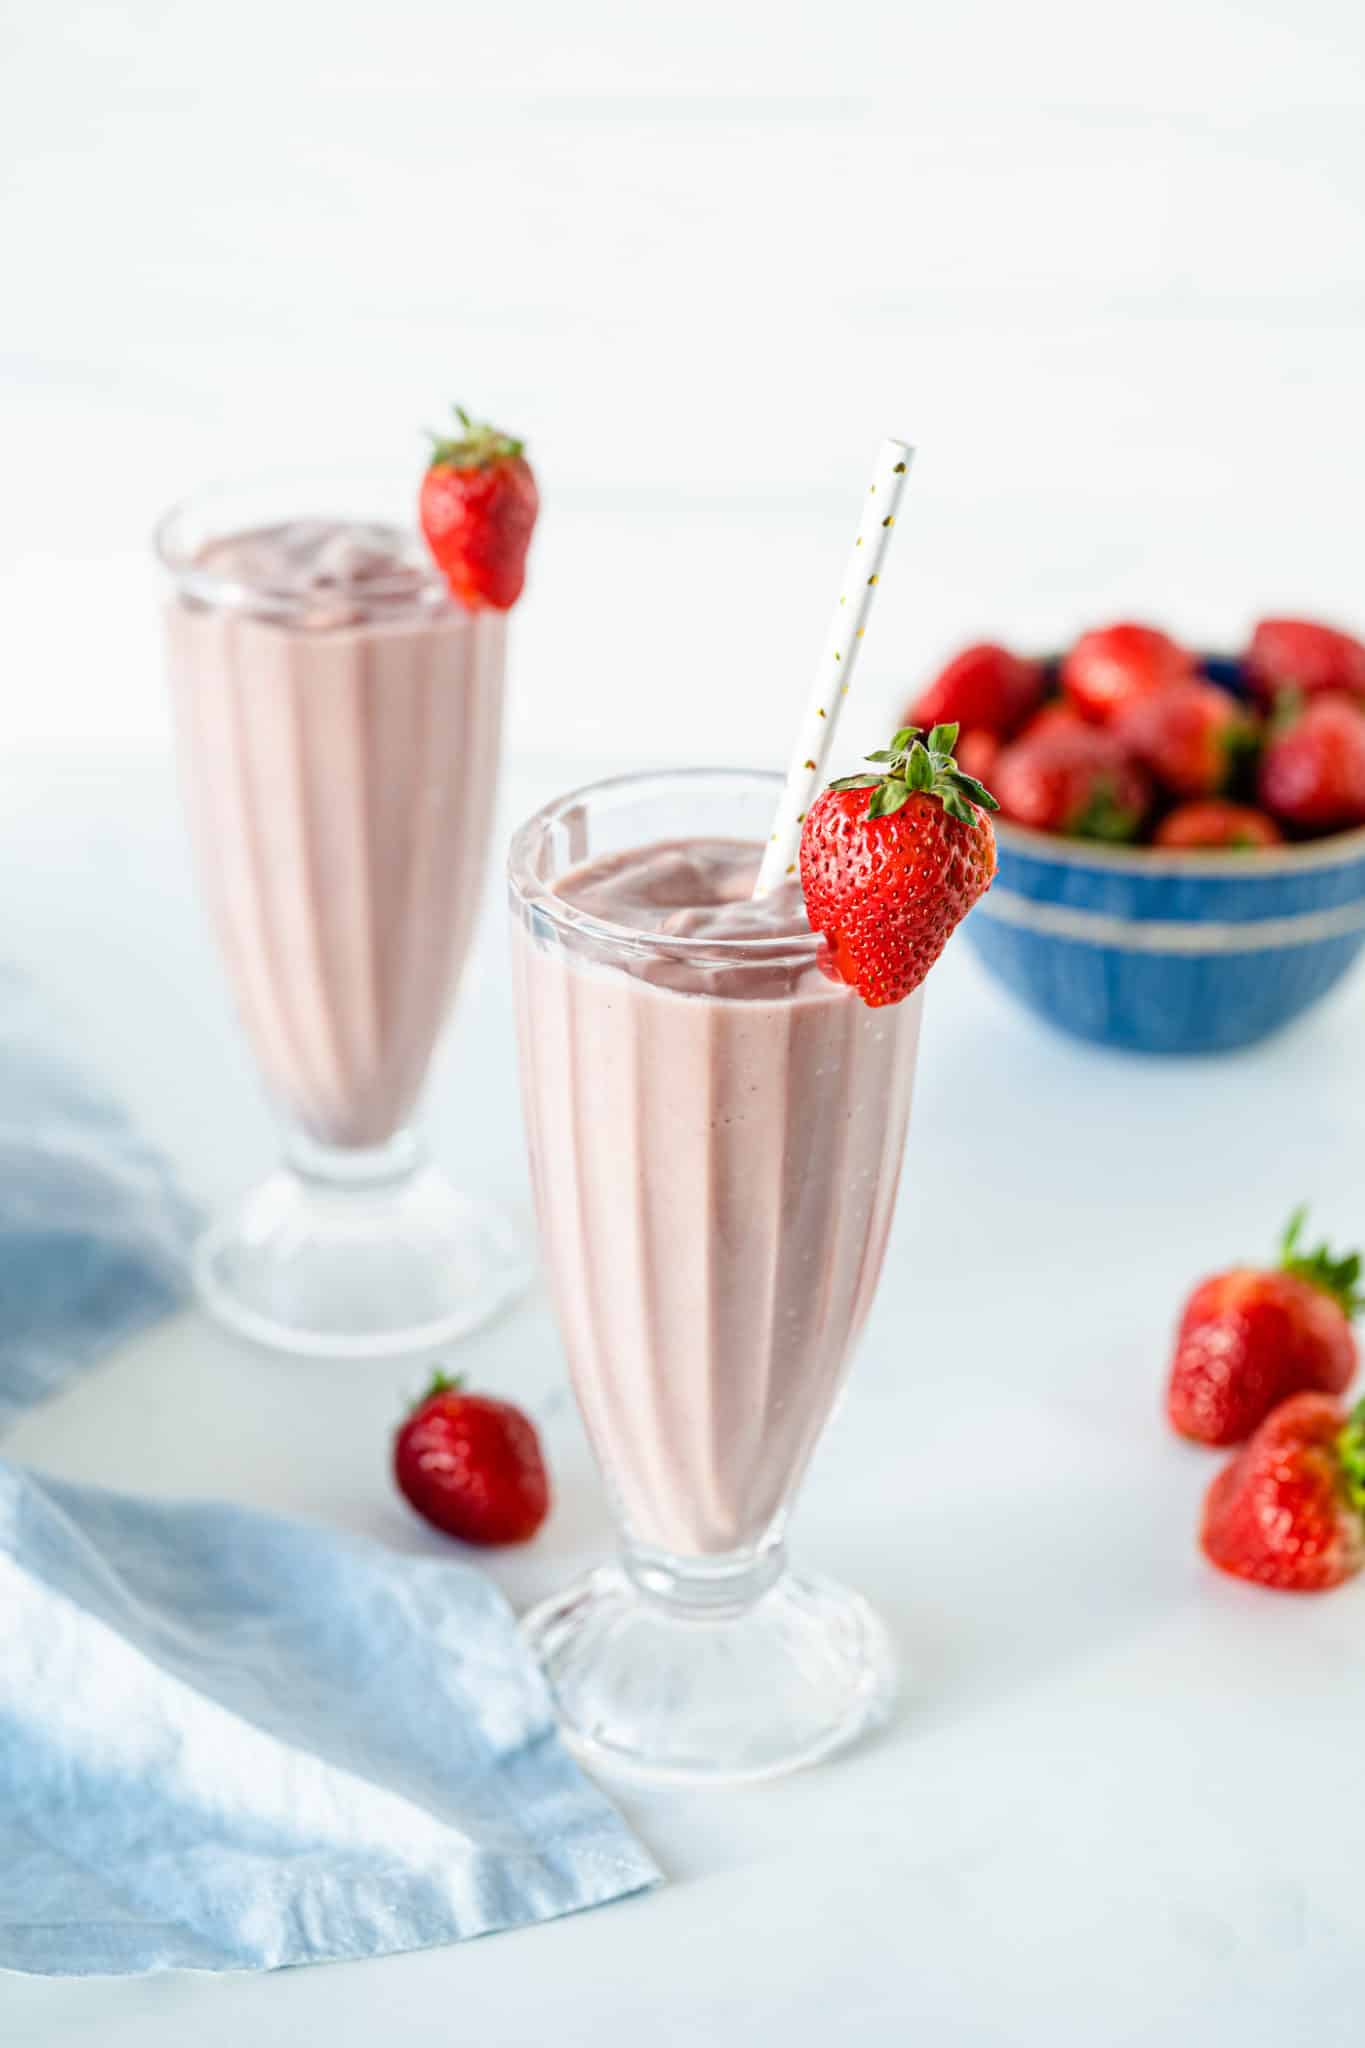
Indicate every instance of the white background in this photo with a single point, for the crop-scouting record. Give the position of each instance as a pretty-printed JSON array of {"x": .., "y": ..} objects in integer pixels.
[{"x": 1106, "y": 266}]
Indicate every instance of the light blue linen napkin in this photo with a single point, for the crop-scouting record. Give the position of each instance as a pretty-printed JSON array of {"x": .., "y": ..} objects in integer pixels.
[
  {"x": 229, "y": 1741},
  {"x": 93, "y": 1228}
]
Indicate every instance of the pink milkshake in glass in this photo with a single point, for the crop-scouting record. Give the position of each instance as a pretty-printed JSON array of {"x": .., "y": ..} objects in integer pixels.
[
  {"x": 718, "y": 979},
  {"x": 338, "y": 718},
  {"x": 716, "y": 1129}
]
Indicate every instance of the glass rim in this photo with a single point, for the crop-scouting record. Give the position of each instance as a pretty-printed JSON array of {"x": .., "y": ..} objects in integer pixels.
[
  {"x": 529, "y": 891},
  {"x": 177, "y": 557}
]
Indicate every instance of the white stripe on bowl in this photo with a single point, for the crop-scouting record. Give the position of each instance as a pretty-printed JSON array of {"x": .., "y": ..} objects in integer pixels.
[
  {"x": 1225, "y": 863},
  {"x": 1157, "y": 935}
]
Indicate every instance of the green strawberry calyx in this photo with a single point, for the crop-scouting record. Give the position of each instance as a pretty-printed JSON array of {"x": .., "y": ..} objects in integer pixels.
[
  {"x": 441, "y": 1383},
  {"x": 921, "y": 765},
  {"x": 1239, "y": 746},
  {"x": 1320, "y": 1268},
  {"x": 1286, "y": 709},
  {"x": 1102, "y": 816},
  {"x": 476, "y": 446},
  {"x": 1351, "y": 1454}
]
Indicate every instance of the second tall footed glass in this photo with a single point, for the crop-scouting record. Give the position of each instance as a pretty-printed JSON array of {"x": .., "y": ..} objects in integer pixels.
[
  {"x": 716, "y": 1130},
  {"x": 338, "y": 718}
]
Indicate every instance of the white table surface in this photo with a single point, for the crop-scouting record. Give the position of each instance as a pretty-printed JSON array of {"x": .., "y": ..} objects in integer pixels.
[
  {"x": 1106, "y": 273},
  {"x": 1116, "y": 1804}
]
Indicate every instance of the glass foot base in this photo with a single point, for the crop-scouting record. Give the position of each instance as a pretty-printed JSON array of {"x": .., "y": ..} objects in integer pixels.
[
  {"x": 695, "y": 1697},
  {"x": 358, "y": 1268}
]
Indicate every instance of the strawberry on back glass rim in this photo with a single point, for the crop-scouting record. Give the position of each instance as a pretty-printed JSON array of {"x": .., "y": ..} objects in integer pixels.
[{"x": 477, "y": 509}]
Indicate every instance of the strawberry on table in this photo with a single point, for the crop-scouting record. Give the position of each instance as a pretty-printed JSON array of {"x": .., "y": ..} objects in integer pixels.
[
  {"x": 1287, "y": 1511},
  {"x": 1312, "y": 773},
  {"x": 1251, "y": 1336},
  {"x": 1069, "y": 777},
  {"x": 1189, "y": 735},
  {"x": 892, "y": 862},
  {"x": 1215, "y": 822},
  {"x": 1300, "y": 654},
  {"x": 1108, "y": 668},
  {"x": 983, "y": 689},
  {"x": 472, "y": 1466},
  {"x": 477, "y": 507}
]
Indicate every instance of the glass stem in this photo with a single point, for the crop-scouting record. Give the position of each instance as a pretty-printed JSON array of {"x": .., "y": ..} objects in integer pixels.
[
  {"x": 341, "y": 1167},
  {"x": 706, "y": 1588}
]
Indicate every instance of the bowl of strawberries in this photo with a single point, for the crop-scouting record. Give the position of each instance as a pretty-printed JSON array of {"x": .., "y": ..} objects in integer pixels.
[{"x": 1181, "y": 835}]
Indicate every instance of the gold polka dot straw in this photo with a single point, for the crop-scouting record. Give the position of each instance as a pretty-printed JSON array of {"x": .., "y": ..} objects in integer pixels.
[{"x": 843, "y": 643}]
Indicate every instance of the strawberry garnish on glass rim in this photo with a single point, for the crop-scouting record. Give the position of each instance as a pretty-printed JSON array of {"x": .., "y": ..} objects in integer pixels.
[
  {"x": 892, "y": 861},
  {"x": 916, "y": 765},
  {"x": 477, "y": 508}
]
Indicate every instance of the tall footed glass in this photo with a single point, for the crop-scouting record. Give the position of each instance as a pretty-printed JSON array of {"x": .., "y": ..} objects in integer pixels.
[
  {"x": 716, "y": 1130},
  {"x": 338, "y": 722}
]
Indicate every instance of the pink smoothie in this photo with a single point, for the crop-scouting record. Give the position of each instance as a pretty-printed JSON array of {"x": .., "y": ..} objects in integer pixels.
[
  {"x": 338, "y": 721},
  {"x": 715, "y": 1152}
]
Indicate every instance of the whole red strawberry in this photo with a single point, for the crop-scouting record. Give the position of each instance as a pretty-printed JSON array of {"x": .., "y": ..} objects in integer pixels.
[
  {"x": 1108, "y": 668},
  {"x": 1287, "y": 1511},
  {"x": 1251, "y": 1336},
  {"x": 977, "y": 753},
  {"x": 1064, "y": 776},
  {"x": 1189, "y": 735},
  {"x": 891, "y": 863},
  {"x": 478, "y": 505},
  {"x": 985, "y": 688},
  {"x": 1057, "y": 715},
  {"x": 472, "y": 1466},
  {"x": 1301, "y": 655},
  {"x": 1313, "y": 769},
  {"x": 1215, "y": 822}
]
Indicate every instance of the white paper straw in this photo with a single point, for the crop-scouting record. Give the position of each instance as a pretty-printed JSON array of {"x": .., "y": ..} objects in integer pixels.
[{"x": 843, "y": 644}]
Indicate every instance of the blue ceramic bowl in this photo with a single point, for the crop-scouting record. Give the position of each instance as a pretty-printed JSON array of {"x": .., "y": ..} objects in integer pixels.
[{"x": 1162, "y": 951}]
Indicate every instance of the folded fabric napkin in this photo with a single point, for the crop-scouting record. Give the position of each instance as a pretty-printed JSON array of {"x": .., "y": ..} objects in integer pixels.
[
  {"x": 233, "y": 1742},
  {"x": 93, "y": 1229},
  {"x": 228, "y": 1742}
]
